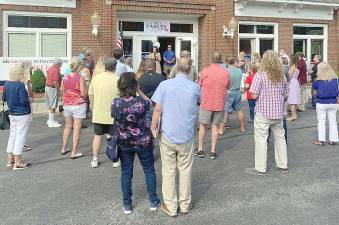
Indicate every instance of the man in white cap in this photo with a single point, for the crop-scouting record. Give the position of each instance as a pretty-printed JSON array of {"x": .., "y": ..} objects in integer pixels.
[{"x": 52, "y": 91}]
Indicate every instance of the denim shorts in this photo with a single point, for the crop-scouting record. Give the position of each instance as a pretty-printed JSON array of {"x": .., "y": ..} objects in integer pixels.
[{"x": 233, "y": 101}]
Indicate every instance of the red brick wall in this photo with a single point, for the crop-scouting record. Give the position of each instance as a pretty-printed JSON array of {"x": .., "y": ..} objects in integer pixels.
[{"x": 216, "y": 14}]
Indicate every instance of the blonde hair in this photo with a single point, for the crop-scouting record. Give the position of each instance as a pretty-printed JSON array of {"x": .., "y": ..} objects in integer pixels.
[
  {"x": 25, "y": 70},
  {"x": 15, "y": 73},
  {"x": 272, "y": 66},
  {"x": 242, "y": 54},
  {"x": 325, "y": 72},
  {"x": 141, "y": 69},
  {"x": 74, "y": 64},
  {"x": 100, "y": 66},
  {"x": 256, "y": 57}
]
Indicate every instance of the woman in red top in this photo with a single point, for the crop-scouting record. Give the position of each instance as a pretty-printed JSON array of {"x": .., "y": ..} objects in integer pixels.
[
  {"x": 74, "y": 91},
  {"x": 251, "y": 101}
]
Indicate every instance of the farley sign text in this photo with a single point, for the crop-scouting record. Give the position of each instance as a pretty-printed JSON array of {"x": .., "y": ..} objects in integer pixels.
[{"x": 157, "y": 26}]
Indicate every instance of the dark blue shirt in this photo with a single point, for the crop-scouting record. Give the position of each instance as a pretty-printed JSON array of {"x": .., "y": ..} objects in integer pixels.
[
  {"x": 327, "y": 91},
  {"x": 16, "y": 96},
  {"x": 169, "y": 56}
]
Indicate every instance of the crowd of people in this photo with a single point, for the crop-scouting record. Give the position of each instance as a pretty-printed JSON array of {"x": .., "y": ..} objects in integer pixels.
[{"x": 139, "y": 107}]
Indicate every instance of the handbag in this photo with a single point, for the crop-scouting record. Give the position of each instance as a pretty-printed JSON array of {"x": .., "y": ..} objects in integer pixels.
[
  {"x": 112, "y": 148},
  {"x": 4, "y": 118}
]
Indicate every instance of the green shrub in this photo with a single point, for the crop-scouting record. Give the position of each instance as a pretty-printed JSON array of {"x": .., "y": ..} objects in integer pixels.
[{"x": 38, "y": 81}]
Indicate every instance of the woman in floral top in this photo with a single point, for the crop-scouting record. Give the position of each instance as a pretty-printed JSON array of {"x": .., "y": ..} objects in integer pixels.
[{"x": 134, "y": 137}]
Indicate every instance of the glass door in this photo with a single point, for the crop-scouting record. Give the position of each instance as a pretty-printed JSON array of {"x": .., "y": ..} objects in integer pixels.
[
  {"x": 317, "y": 48},
  {"x": 300, "y": 45},
  {"x": 185, "y": 43},
  {"x": 142, "y": 47}
]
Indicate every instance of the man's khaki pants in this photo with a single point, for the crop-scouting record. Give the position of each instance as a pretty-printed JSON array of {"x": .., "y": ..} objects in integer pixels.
[
  {"x": 302, "y": 97},
  {"x": 261, "y": 126},
  {"x": 176, "y": 156}
]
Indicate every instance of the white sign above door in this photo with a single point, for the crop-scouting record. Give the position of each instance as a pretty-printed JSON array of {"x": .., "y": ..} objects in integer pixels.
[
  {"x": 157, "y": 26},
  {"x": 59, "y": 3}
]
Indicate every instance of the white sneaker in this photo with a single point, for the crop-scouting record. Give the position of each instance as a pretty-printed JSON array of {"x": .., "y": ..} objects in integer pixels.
[
  {"x": 116, "y": 164},
  {"x": 54, "y": 124},
  {"x": 94, "y": 163}
]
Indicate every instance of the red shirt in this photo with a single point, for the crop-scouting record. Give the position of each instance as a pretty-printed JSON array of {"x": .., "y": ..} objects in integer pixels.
[
  {"x": 303, "y": 72},
  {"x": 214, "y": 82},
  {"x": 53, "y": 74},
  {"x": 248, "y": 81},
  {"x": 72, "y": 93}
]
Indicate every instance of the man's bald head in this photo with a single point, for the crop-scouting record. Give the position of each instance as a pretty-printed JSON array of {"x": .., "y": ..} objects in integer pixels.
[
  {"x": 150, "y": 64},
  {"x": 184, "y": 65},
  {"x": 216, "y": 57},
  {"x": 185, "y": 53}
]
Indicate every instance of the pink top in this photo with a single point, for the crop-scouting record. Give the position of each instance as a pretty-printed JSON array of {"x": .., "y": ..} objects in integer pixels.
[
  {"x": 214, "y": 81},
  {"x": 271, "y": 97},
  {"x": 72, "y": 95}
]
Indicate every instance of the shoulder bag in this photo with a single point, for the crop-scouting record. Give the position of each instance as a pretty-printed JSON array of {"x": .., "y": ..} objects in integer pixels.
[
  {"x": 4, "y": 118},
  {"x": 112, "y": 148}
]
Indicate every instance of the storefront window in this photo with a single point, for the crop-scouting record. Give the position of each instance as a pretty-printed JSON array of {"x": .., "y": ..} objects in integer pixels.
[
  {"x": 264, "y": 29},
  {"x": 37, "y": 35},
  {"x": 181, "y": 28},
  {"x": 266, "y": 45},
  {"x": 246, "y": 29},
  {"x": 299, "y": 30},
  {"x": 146, "y": 46},
  {"x": 300, "y": 45},
  {"x": 131, "y": 26}
]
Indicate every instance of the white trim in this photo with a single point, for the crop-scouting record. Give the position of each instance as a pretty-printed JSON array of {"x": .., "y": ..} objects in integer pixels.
[
  {"x": 37, "y": 31},
  {"x": 258, "y": 36},
  {"x": 309, "y": 39},
  {"x": 296, "y": 2},
  {"x": 48, "y": 3}
]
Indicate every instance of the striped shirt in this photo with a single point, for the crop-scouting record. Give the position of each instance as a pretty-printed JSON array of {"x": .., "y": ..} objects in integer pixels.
[
  {"x": 271, "y": 98},
  {"x": 214, "y": 81}
]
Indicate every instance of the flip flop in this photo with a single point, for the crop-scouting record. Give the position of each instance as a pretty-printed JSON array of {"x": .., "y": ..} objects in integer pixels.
[
  {"x": 65, "y": 152},
  {"x": 78, "y": 155},
  {"x": 9, "y": 165},
  {"x": 320, "y": 143},
  {"x": 242, "y": 131}
]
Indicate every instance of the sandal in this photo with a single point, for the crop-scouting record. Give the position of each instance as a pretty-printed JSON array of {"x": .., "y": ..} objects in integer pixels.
[
  {"x": 78, "y": 155},
  {"x": 10, "y": 164},
  {"x": 65, "y": 152},
  {"x": 22, "y": 167},
  {"x": 27, "y": 148},
  {"x": 242, "y": 131},
  {"x": 320, "y": 143}
]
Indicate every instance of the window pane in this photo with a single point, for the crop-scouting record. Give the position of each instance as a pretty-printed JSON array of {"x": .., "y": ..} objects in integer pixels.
[
  {"x": 248, "y": 29},
  {"x": 265, "y": 45},
  {"x": 317, "y": 48},
  {"x": 53, "y": 45},
  {"x": 300, "y": 46},
  {"x": 263, "y": 29},
  {"x": 146, "y": 46},
  {"x": 21, "y": 45},
  {"x": 132, "y": 26},
  {"x": 181, "y": 28},
  {"x": 186, "y": 45},
  {"x": 48, "y": 22},
  {"x": 128, "y": 47},
  {"x": 18, "y": 21},
  {"x": 308, "y": 30}
]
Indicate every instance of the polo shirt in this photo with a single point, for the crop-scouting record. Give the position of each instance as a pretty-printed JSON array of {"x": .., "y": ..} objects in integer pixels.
[
  {"x": 235, "y": 78},
  {"x": 120, "y": 68},
  {"x": 193, "y": 76},
  {"x": 327, "y": 91},
  {"x": 149, "y": 82},
  {"x": 53, "y": 74},
  {"x": 103, "y": 88},
  {"x": 214, "y": 82},
  {"x": 178, "y": 98},
  {"x": 169, "y": 56}
]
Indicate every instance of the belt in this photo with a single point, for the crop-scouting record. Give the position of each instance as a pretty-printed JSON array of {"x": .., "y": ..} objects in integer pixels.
[{"x": 51, "y": 86}]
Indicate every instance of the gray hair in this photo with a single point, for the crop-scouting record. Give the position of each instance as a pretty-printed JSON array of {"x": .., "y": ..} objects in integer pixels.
[
  {"x": 185, "y": 53},
  {"x": 184, "y": 65},
  {"x": 57, "y": 61},
  {"x": 110, "y": 64},
  {"x": 216, "y": 57}
]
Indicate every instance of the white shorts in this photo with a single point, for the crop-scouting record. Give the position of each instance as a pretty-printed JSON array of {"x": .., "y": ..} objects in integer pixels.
[{"x": 75, "y": 111}]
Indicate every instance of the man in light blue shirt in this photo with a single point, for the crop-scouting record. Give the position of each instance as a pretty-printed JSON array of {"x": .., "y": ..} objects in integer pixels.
[{"x": 176, "y": 107}]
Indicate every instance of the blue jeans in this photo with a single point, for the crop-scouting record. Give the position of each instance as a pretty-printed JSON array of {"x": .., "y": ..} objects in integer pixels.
[
  {"x": 147, "y": 161},
  {"x": 251, "y": 106}
]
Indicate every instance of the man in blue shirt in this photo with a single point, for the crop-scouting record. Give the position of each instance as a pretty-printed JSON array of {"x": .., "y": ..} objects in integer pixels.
[
  {"x": 169, "y": 60},
  {"x": 177, "y": 103}
]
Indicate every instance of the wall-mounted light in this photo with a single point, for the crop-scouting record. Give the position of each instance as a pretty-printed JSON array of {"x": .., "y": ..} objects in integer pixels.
[
  {"x": 230, "y": 28},
  {"x": 95, "y": 20}
]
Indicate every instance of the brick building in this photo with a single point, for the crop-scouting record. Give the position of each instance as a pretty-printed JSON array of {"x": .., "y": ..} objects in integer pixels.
[{"x": 43, "y": 29}]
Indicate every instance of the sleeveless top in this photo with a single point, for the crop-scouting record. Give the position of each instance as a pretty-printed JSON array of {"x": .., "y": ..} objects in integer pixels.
[{"x": 72, "y": 93}]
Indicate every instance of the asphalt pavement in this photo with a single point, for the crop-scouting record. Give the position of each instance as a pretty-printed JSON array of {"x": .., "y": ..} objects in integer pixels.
[{"x": 61, "y": 191}]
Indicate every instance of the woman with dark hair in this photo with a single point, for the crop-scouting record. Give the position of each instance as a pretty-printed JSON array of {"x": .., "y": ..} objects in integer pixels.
[
  {"x": 134, "y": 137},
  {"x": 294, "y": 88},
  {"x": 157, "y": 57}
]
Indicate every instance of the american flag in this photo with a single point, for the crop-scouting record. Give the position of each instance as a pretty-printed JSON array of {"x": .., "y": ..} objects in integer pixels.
[{"x": 120, "y": 44}]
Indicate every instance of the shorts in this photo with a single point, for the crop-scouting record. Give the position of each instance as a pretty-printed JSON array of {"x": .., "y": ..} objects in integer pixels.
[
  {"x": 52, "y": 97},
  {"x": 233, "y": 101},
  {"x": 208, "y": 117},
  {"x": 101, "y": 129},
  {"x": 75, "y": 111}
]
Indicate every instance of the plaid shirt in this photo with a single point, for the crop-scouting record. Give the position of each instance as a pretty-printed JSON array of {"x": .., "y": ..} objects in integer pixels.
[{"x": 271, "y": 98}]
